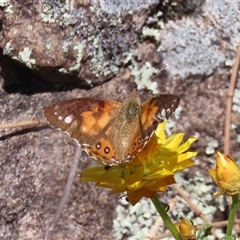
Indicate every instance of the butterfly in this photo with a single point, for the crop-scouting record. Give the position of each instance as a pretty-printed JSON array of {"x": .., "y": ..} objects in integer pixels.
[{"x": 111, "y": 131}]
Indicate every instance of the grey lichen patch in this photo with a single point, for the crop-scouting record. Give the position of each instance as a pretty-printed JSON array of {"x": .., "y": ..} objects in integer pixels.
[
  {"x": 200, "y": 190},
  {"x": 234, "y": 127},
  {"x": 143, "y": 77},
  {"x": 236, "y": 101},
  {"x": 193, "y": 47},
  {"x": 212, "y": 145},
  {"x": 51, "y": 11},
  {"x": 79, "y": 47},
  {"x": 229, "y": 62},
  {"x": 129, "y": 56},
  {"x": 7, "y": 49},
  {"x": 132, "y": 218},
  {"x": 99, "y": 66},
  {"x": 151, "y": 32},
  {"x": 6, "y": 4},
  {"x": 47, "y": 18},
  {"x": 98, "y": 48},
  {"x": 48, "y": 45},
  {"x": 55, "y": 11},
  {"x": 107, "y": 36},
  {"x": 65, "y": 46},
  {"x": 117, "y": 7},
  {"x": 24, "y": 57}
]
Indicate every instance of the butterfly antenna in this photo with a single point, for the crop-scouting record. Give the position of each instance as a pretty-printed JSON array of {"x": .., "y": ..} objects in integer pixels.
[
  {"x": 149, "y": 80},
  {"x": 165, "y": 66},
  {"x": 66, "y": 192}
]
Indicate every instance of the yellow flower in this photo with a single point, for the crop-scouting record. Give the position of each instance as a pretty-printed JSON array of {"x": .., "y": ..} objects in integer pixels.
[
  {"x": 151, "y": 171},
  {"x": 186, "y": 229},
  {"x": 226, "y": 175}
]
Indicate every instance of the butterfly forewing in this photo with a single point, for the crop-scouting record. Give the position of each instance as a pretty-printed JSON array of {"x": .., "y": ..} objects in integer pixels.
[
  {"x": 82, "y": 118},
  {"x": 156, "y": 109},
  {"x": 153, "y": 111}
]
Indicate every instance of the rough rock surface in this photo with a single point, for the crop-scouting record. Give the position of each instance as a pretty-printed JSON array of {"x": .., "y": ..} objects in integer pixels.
[
  {"x": 72, "y": 40},
  {"x": 87, "y": 43}
]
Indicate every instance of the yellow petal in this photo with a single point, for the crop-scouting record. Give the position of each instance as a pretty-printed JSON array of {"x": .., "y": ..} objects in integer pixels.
[{"x": 151, "y": 171}]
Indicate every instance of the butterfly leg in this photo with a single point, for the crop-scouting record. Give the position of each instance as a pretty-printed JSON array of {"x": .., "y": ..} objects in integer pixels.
[{"x": 157, "y": 119}]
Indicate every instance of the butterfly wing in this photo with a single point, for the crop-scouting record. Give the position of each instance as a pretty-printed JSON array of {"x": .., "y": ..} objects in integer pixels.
[
  {"x": 153, "y": 111},
  {"x": 106, "y": 129},
  {"x": 87, "y": 120}
]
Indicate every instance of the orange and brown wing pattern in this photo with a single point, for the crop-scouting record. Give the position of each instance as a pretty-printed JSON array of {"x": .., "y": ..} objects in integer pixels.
[
  {"x": 82, "y": 118},
  {"x": 111, "y": 131},
  {"x": 155, "y": 110}
]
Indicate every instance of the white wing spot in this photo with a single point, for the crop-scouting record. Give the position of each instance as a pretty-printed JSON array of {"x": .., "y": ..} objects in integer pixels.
[
  {"x": 163, "y": 113},
  {"x": 60, "y": 118},
  {"x": 55, "y": 113},
  {"x": 84, "y": 129},
  {"x": 68, "y": 119}
]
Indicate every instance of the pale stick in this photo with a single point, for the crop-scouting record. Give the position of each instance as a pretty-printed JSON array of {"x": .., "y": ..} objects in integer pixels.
[
  {"x": 66, "y": 192},
  {"x": 23, "y": 123}
]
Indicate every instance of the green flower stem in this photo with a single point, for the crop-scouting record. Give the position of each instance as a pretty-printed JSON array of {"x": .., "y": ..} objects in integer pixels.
[
  {"x": 162, "y": 212},
  {"x": 233, "y": 211}
]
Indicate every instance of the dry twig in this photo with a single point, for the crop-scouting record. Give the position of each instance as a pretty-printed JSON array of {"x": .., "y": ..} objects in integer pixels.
[{"x": 230, "y": 93}]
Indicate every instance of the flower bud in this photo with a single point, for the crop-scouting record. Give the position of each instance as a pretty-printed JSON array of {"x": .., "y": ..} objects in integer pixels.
[
  {"x": 186, "y": 229},
  {"x": 226, "y": 175}
]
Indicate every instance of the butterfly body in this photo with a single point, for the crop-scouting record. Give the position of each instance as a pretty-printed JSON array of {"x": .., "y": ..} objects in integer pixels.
[{"x": 111, "y": 131}]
